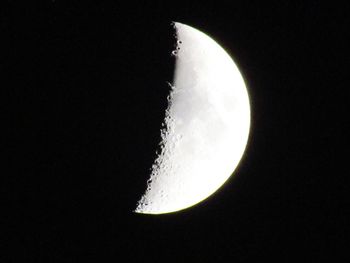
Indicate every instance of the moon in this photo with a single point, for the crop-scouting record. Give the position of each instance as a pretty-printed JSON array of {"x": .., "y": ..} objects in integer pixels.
[{"x": 206, "y": 126}]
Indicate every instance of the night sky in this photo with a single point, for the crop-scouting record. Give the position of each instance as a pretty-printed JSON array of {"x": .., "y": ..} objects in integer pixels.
[{"x": 84, "y": 95}]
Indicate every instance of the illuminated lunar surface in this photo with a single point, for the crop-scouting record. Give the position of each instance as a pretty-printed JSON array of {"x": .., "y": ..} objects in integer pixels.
[{"x": 206, "y": 126}]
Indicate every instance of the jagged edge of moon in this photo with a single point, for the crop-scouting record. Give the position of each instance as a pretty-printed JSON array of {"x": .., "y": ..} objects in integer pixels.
[{"x": 166, "y": 145}]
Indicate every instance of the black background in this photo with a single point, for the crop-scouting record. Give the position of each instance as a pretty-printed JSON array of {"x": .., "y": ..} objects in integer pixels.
[{"x": 84, "y": 97}]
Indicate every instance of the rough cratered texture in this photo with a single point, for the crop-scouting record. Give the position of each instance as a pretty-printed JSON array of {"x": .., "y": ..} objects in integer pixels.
[{"x": 206, "y": 126}]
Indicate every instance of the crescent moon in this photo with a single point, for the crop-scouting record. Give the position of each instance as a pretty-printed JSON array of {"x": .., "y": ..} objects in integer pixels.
[{"x": 206, "y": 126}]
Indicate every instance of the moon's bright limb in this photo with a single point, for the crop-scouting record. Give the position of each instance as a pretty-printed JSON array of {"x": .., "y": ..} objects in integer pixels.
[{"x": 206, "y": 126}]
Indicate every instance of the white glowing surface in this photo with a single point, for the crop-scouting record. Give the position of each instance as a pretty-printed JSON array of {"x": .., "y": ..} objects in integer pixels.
[{"x": 207, "y": 126}]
